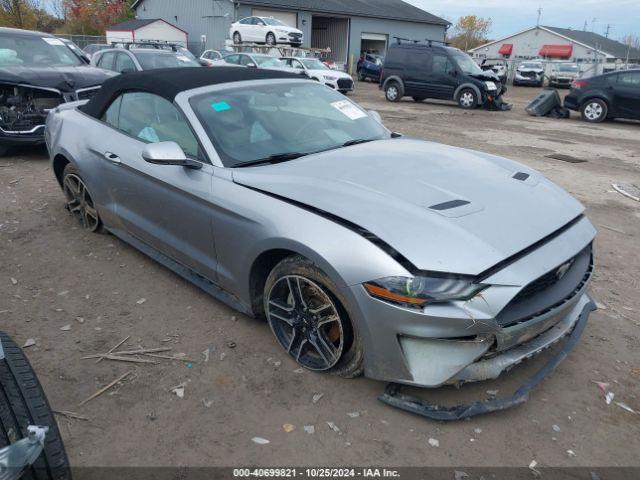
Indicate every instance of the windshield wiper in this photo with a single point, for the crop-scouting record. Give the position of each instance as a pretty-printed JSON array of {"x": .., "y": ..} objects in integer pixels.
[
  {"x": 358, "y": 141},
  {"x": 271, "y": 159}
]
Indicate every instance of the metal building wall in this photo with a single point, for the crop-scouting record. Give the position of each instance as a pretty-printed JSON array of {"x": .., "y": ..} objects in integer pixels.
[
  {"x": 197, "y": 17},
  {"x": 331, "y": 33}
]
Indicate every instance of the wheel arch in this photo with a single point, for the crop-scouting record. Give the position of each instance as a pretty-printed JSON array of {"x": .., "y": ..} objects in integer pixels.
[
  {"x": 60, "y": 160},
  {"x": 394, "y": 78}
]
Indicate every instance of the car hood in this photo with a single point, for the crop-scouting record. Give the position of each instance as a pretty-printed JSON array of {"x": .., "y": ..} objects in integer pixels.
[
  {"x": 390, "y": 188},
  {"x": 65, "y": 79},
  {"x": 535, "y": 70},
  {"x": 331, "y": 73},
  {"x": 486, "y": 75},
  {"x": 286, "y": 29}
]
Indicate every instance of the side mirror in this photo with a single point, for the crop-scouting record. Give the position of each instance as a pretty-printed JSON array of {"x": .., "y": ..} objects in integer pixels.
[
  {"x": 127, "y": 70},
  {"x": 168, "y": 153},
  {"x": 203, "y": 62},
  {"x": 251, "y": 65},
  {"x": 375, "y": 115}
]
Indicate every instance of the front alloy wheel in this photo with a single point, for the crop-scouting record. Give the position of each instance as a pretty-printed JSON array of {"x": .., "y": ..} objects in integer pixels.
[
  {"x": 306, "y": 322},
  {"x": 79, "y": 201},
  {"x": 467, "y": 99},
  {"x": 271, "y": 39}
]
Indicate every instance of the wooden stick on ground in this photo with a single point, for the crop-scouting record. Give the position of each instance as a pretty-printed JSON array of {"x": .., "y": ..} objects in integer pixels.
[
  {"x": 75, "y": 416},
  {"x": 104, "y": 389},
  {"x": 111, "y": 351},
  {"x": 167, "y": 357},
  {"x": 127, "y": 352}
]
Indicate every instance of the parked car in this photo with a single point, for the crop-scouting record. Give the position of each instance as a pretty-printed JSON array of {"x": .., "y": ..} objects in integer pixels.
[
  {"x": 369, "y": 67},
  {"x": 123, "y": 60},
  {"x": 38, "y": 72},
  {"x": 562, "y": 74},
  {"x": 209, "y": 57},
  {"x": 425, "y": 71},
  {"x": 529, "y": 73},
  {"x": 317, "y": 70},
  {"x": 613, "y": 95},
  {"x": 95, "y": 47},
  {"x": 267, "y": 30},
  {"x": 498, "y": 66},
  {"x": 411, "y": 261},
  {"x": 257, "y": 60}
]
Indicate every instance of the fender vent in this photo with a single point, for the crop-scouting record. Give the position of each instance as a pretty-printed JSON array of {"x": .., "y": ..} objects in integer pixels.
[
  {"x": 521, "y": 176},
  {"x": 449, "y": 205}
]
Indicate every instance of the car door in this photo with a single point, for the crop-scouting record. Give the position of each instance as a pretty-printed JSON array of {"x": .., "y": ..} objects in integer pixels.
[
  {"x": 247, "y": 61},
  {"x": 416, "y": 72},
  {"x": 626, "y": 94},
  {"x": 441, "y": 80},
  {"x": 233, "y": 59},
  {"x": 259, "y": 30},
  {"x": 165, "y": 206}
]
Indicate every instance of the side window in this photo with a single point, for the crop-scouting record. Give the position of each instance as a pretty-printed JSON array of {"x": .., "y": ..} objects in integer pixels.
[
  {"x": 208, "y": 55},
  {"x": 246, "y": 60},
  {"x": 629, "y": 79},
  {"x": 296, "y": 64},
  {"x": 112, "y": 113},
  {"x": 245, "y": 21},
  {"x": 106, "y": 60},
  {"x": 441, "y": 65},
  {"x": 154, "y": 119},
  {"x": 257, "y": 21},
  {"x": 232, "y": 59},
  {"x": 124, "y": 63}
]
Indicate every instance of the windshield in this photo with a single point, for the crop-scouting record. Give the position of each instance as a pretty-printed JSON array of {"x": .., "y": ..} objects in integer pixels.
[
  {"x": 314, "y": 64},
  {"x": 275, "y": 22},
  {"x": 153, "y": 60},
  {"x": 34, "y": 51},
  {"x": 567, "y": 68},
  {"x": 532, "y": 66},
  {"x": 269, "y": 62},
  {"x": 466, "y": 64},
  {"x": 253, "y": 123}
]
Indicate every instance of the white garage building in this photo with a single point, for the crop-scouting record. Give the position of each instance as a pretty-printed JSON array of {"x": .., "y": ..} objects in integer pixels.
[{"x": 155, "y": 29}]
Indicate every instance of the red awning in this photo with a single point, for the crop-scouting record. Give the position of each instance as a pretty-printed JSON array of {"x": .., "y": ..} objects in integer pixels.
[
  {"x": 556, "y": 51},
  {"x": 506, "y": 49}
]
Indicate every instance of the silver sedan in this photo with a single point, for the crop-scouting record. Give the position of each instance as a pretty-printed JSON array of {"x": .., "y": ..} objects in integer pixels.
[{"x": 410, "y": 261}]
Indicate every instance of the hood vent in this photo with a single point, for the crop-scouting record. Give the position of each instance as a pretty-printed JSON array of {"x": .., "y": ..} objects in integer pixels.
[
  {"x": 449, "y": 205},
  {"x": 521, "y": 176}
]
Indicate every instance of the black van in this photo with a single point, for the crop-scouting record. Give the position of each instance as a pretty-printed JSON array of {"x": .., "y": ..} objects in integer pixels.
[{"x": 425, "y": 71}]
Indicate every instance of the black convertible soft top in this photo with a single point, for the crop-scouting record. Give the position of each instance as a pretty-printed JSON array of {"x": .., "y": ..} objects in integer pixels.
[{"x": 169, "y": 82}]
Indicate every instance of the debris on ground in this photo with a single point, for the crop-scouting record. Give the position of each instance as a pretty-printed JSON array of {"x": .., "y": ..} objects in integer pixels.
[
  {"x": 231, "y": 344},
  {"x": 75, "y": 416},
  {"x": 310, "y": 429},
  {"x": 222, "y": 355},
  {"x": 14, "y": 281},
  {"x": 317, "y": 397},
  {"x": 608, "y": 395},
  {"x": 333, "y": 427},
  {"x": 66, "y": 327},
  {"x": 477, "y": 431},
  {"x": 571, "y": 453},
  {"x": 459, "y": 475},
  {"x": 626, "y": 407},
  {"x": 260, "y": 440},
  {"x": 206, "y": 353},
  {"x": 353, "y": 414},
  {"x": 299, "y": 370},
  {"x": 141, "y": 301},
  {"x": 114, "y": 347},
  {"x": 433, "y": 442},
  {"x": 30, "y": 342},
  {"x": 492, "y": 393},
  {"x": 532, "y": 467},
  {"x": 104, "y": 389},
  {"x": 629, "y": 191},
  {"x": 287, "y": 427},
  {"x": 207, "y": 403},
  {"x": 178, "y": 390},
  {"x": 556, "y": 428}
]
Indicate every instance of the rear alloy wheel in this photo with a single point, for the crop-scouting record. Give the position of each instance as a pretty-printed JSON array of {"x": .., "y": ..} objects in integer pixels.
[
  {"x": 392, "y": 92},
  {"x": 237, "y": 38},
  {"x": 308, "y": 320},
  {"x": 79, "y": 201},
  {"x": 594, "y": 110},
  {"x": 468, "y": 99},
  {"x": 271, "y": 39}
]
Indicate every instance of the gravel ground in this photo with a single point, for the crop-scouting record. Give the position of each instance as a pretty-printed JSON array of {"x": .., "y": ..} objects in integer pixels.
[{"x": 54, "y": 275}]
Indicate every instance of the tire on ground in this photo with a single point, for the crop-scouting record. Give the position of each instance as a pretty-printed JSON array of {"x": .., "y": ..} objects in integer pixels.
[
  {"x": 467, "y": 93},
  {"x": 593, "y": 104},
  {"x": 350, "y": 364},
  {"x": 393, "y": 91},
  {"x": 23, "y": 403}
]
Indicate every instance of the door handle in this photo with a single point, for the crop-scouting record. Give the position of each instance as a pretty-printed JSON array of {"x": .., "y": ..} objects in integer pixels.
[{"x": 112, "y": 157}]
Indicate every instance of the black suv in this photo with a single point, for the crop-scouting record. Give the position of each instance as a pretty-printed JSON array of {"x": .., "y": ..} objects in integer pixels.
[
  {"x": 612, "y": 95},
  {"x": 425, "y": 71}
]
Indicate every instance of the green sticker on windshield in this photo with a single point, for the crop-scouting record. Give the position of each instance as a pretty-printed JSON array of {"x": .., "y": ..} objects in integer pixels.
[{"x": 221, "y": 106}]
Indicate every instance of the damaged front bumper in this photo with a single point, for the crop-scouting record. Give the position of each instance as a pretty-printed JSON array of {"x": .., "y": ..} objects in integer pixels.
[{"x": 492, "y": 368}]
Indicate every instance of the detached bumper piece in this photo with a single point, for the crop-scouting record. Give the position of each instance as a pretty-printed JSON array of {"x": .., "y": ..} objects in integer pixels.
[
  {"x": 18, "y": 456},
  {"x": 393, "y": 396}
]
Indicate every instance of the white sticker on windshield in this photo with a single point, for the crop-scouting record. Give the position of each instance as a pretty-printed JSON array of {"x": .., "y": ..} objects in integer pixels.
[
  {"x": 349, "y": 109},
  {"x": 53, "y": 41}
]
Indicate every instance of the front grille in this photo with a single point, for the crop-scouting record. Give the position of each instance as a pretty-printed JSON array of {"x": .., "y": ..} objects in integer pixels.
[
  {"x": 345, "y": 83},
  {"x": 528, "y": 74},
  {"x": 549, "y": 291},
  {"x": 295, "y": 36},
  {"x": 86, "y": 93}
]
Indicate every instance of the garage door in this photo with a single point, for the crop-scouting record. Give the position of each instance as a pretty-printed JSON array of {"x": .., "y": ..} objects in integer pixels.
[{"x": 290, "y": 18}]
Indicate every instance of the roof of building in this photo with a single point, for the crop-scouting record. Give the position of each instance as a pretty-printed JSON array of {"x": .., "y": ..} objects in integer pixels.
[
  {"x": 133, "y": 24},
  {"x": 387, "y": 9},
  {"x": 169, "y": 82},
  {"x": 596, "y": 41}
]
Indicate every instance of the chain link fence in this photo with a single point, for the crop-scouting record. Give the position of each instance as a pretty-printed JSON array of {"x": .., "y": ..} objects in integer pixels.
[{"x": 83, "y": 40}]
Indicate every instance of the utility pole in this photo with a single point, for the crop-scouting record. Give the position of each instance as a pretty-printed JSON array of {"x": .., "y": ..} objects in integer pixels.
[
  {"x": 593, "y": 24},
  {"x": 539, "y": 16},
  {"x": 607, "y": 32},
  {"x": 585, "y": 26}
]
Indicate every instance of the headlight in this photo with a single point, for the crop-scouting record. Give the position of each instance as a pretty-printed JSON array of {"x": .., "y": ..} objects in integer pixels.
[
  {"x": 490, "y": 86},
  {"x": 329, "y": 77},
  {"x": 282, "y": 32},
  {"x": 420, "y": 290}
]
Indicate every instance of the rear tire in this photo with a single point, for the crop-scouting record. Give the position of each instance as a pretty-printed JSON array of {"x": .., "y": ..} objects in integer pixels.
[
  {"x": 594, "y": 110},
  {"x": 349, "y": 363},
  {"x": 79, "y": 201},
  {"x": 237, "y": 38},
  {"x": 271, "y": 39},
  {"x": 393, "y": 92},
  {"x": 23, "y": 403}
]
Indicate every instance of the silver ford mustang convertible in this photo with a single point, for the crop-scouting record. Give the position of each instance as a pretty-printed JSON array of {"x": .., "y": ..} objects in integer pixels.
[{"x": 410, "y": 261}]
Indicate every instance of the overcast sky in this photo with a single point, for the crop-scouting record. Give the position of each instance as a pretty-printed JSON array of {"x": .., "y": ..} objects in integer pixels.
[{"x": 512, "y": 16}]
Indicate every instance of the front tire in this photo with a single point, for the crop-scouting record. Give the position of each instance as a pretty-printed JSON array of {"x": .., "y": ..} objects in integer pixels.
[
  {"x": 79, "y": 201},
  {"x": 23, "y": 403},
  {"x": 468, "y": 99},
  {"x": 392, "y": 92},
  {"x": 307, "y": 316},
  {"x": 237, "y": 38},
  {"x": 271, "y": 39},
  {"x": 594, "y": 110}
]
